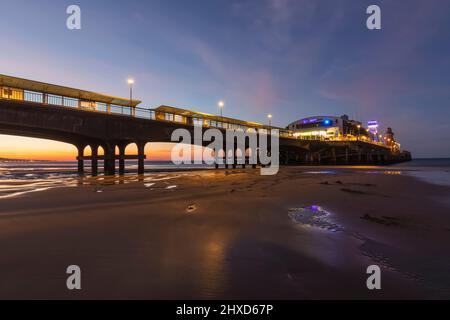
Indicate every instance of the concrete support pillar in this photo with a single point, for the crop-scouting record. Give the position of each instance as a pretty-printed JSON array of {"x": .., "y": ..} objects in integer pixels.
[
  {"x": 80, "y": 159},
  {"x": 216, "y": 158},
  {"x": 359, "y": 156},
  {"x": 122, "y": 158},
  {"x": 141, "y": 157},
  {"x": 319, "y": 158},
  {"x": 94, "y": 163},
  {"x": 346, "y": 155},
  {"x": 110, "y": 160},
  {"x": 333, "y": 155}
]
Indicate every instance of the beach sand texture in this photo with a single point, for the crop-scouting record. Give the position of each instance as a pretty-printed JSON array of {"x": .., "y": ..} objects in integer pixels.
[{"x": 230, "y": 234}]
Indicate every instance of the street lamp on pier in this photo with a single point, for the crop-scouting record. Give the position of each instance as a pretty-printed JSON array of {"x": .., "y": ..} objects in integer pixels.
[
  {"x": 221, "y": 105},
  {"x": 130, "y": 83}
]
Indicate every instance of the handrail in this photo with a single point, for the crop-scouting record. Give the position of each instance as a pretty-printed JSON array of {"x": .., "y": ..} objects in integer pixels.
[{"x": 8, "y": 93}]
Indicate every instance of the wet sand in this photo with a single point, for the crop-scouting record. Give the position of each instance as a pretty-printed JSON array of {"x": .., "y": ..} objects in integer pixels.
[{"x": 230, "y": 234}]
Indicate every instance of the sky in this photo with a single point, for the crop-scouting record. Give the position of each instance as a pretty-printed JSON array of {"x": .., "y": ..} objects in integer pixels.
[{"x": 289, "y": 58}]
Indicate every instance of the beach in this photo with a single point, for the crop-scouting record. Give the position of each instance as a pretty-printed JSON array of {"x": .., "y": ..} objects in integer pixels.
[{"x": 305, "y": 233}]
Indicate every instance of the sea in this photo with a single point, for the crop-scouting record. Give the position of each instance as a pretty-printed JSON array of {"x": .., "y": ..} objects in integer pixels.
[{"x": 21, "y": 177}]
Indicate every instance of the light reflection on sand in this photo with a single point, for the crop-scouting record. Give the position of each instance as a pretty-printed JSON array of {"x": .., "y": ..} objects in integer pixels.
[
  {"x": 313, "y": 216},
  {"x": 321, "y": 172},
  {"x": 20, "y": 183}
]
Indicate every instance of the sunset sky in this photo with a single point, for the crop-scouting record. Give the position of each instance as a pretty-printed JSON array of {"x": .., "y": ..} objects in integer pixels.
[{"x": 290, "y": 58}]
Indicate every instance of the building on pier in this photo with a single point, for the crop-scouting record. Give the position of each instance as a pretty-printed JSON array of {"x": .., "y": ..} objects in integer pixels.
[{"x": 328, "y": 128}]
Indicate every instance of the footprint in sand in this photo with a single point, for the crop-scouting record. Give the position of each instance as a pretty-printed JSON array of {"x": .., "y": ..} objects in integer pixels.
[
  {"x": 191, "y": 208},
  {"x": 354, "y": 191}
]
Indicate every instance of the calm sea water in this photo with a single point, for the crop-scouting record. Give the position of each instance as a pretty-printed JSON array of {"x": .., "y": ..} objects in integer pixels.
[
  {"x": 435, "y": 171},
  {"x": 20, "y": 178}
]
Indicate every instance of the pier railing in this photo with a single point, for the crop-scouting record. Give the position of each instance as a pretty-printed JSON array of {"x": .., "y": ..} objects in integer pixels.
[{"x": 42, "y": 98}]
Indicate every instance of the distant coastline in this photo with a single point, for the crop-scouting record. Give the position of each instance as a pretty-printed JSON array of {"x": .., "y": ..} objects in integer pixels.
[{"x": 21, "y": 160}]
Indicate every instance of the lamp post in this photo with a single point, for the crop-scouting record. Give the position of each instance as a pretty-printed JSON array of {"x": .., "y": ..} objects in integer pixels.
[
  {"x": 269, "y": 116},
  {"x": 130, "y": 83},
  {"x": 359, "y": 130},
  {"x": 221, "y": 104}
]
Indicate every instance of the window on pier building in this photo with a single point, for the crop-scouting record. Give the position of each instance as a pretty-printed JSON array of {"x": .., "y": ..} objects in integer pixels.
[
  {"x": 197, "y": 122},
  {"x": 116, "y": 109},
  {"x": 223, "y": 125},
  {"x": 55, "y": 100},
  {"x": 178, "y": 118},
  {"x": 71, "y": 102},
  {"x": 168, "y": 116},
  {"x": 102, "y": 107},
  {"x": 33, "y": 96},
  {"x": 11, "y": 93},
  {"x": 88, "y": 105}
]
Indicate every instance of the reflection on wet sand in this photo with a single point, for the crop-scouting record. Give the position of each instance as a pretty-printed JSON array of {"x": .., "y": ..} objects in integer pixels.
[{"x": 213, "y": 266}]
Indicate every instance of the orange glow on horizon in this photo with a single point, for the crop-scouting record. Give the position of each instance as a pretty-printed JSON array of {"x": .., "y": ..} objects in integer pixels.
[{"x": 14, "y": 147}]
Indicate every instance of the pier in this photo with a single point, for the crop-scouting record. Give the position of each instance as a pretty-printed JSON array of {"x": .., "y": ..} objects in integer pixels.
[{"x": 84, "y": 118}]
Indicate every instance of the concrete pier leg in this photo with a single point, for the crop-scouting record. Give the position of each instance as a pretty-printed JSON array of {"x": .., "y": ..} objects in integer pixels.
[
  {"x": 94, "y": 161},
  {"x": 122, "y": 159},
  {"x": 141, "y": 156},
  {"x": 333, "y": 155},
  {"x": 110, "y": 161},
  {"x": 235, "y": 158},
  {"x": 216, "y": 157},
  {"x": 80, "y": 160}
]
